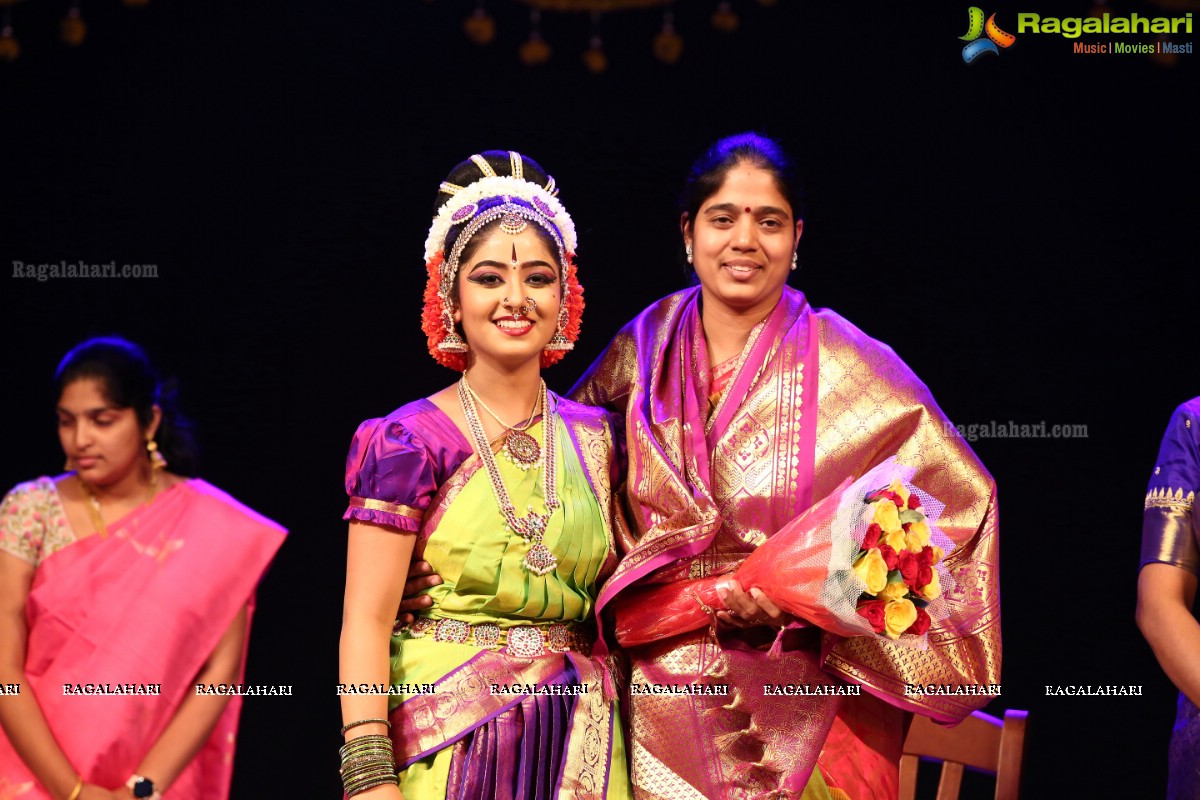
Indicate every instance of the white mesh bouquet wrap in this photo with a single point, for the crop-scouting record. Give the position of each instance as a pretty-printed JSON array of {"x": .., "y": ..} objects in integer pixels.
[{"x": 844, "y": 588}]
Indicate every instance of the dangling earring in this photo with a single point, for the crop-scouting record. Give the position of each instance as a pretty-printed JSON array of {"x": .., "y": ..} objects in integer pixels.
[
  {"x": 687, "y": 248},
  {"x": 157, "y": 464},
  {"x": 452, "y": 342},
  {"x": 157, "y": 460},
  {"x": 559, "y": 340},
  {"x": 795, "y": 265},
  {"x": 70, "y": 465}
]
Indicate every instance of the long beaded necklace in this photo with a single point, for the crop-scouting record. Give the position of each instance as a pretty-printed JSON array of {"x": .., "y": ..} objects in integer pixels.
[
  {"x": 531, "y": 527},
  {"x": 519, "y": 447}
]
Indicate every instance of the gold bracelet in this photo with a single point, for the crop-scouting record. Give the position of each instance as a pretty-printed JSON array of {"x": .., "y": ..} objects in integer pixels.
[
  {"x": 77, "y": 790},
  {"x": 365, "y": 722}
]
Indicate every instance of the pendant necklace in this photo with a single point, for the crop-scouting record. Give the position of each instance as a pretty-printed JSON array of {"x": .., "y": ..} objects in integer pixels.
[
  {"x": 531, "y": 527},
  {"x": 519, "y": 447}
]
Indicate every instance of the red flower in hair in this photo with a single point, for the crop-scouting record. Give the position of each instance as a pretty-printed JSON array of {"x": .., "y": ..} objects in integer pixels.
[
  {"x": 431, "y": 318},
  {"x": 575, "y": 305}
]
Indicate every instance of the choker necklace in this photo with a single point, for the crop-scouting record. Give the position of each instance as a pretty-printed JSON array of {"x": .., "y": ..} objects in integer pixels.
[
  {"x": 531, "y": 527},
  {"x": 519, "y": 447},
  {"x": 93, "y": 503}
]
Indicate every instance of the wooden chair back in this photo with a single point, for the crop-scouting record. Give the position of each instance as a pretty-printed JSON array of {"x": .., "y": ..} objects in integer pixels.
[{"x": 981, "y": 742}]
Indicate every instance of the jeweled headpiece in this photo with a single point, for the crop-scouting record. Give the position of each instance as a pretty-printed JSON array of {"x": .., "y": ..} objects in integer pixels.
[{"x": 515, "y": 202}]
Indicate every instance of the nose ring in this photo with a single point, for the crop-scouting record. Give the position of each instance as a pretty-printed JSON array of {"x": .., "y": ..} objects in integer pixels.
[{"x": 527, "y": 305}]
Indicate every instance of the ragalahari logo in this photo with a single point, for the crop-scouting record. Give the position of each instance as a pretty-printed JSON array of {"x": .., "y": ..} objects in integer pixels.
[{"x": 976, "y": 27}]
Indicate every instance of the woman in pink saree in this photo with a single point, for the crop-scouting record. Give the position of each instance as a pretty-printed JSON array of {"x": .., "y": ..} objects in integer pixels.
[
  {"x": 123, "y": 587},
  {"x": 743, "y": 406}
]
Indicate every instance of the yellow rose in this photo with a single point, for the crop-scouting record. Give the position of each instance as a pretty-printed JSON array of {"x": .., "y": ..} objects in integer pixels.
[
  {"x": 912, "y": 542},
  {"x": 921, "y": 531},
  {"x": 895, "y": 590},
  {"x": 872, "y": 570},
  {"x": 899, "y": 489},
  {"x": 933, "y": 588},
  {"x": 887, "y": 516},
  {"x": 897, "y": 616},
  {"x": 896, "y": 541},
  {"x": 938, "y": 553}
]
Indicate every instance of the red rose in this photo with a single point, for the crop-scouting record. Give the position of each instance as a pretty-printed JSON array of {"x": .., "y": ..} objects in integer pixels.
[
  {"x": 924, "y": 577},
  {"x": 872, "y": 537},
  {"x": 910, "y": 566},
  {"x": 872, "y": 610},
  {"x": 925, "y": 557},
  {"x": 913, "y": 502},
  {"x": 921, "y": 624},
  {"x": 889, "y": 556}
]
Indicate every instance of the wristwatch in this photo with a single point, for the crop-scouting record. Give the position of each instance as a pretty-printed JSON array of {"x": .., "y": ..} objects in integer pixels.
[{"x": 142, "y": 788}]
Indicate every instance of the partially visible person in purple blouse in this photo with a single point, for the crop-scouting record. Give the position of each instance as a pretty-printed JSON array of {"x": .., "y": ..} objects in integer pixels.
[{"x": 1167, "y": 587}]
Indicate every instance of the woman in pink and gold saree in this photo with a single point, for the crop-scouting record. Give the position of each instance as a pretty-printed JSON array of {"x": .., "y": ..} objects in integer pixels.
[
  {"x": 742, "y": 406},
  {"x": 123, "y": 586},
  {"x": 498, "y": 690}
]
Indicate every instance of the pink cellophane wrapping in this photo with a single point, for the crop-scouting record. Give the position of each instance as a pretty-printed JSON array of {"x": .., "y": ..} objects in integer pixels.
[{"x": 805, "y": 568}]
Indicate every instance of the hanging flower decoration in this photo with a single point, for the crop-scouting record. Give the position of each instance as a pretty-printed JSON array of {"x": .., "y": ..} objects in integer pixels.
[
  {"x": 74, "y": 29},
  {"x": 725, "y": 19},
  {"x": 480, "y": 27},
  {"x": 668, "y": 45}
]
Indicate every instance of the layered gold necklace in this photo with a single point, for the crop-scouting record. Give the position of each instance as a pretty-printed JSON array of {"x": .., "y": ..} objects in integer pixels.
[{"x": 531, "y": 527}]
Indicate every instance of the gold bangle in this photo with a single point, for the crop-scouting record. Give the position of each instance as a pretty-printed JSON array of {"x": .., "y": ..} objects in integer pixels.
[
  {"x": 77, "y": 790},
  {"x": 365, "y": 722}
]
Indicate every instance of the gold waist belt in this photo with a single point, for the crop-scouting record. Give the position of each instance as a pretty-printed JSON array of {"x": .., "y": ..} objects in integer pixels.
[{"x": 522, "y": 641}]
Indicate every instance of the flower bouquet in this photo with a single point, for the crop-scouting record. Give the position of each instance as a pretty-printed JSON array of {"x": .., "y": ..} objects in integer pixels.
[{"x": 864, "y": 561}]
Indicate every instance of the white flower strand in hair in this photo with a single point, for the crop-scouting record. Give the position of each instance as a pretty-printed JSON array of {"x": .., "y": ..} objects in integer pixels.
[{"x": 496, "y": 187}]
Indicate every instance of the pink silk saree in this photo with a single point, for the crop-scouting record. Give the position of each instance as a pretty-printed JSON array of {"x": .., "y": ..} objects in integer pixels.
[
  {"x": 813, "y": 402},
  {"x": 146, "y": 605}
]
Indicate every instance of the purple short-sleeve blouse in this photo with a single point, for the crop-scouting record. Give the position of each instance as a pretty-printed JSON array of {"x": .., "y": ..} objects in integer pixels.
[{"x": 397, "y": 462}]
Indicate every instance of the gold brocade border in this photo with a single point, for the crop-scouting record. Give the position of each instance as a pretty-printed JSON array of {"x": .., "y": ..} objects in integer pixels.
[
  {"x": 462, "y": 700},
  {"x": 755, "y": 335},
  {"x": 389, "y": 508},
  {"x": 884, "y": 684},
  {"x": 1165, "y": 497},
  {"x": 589, "y": 743},
  {"x": 594, "y": 444},
  {"x": 445, "y": 496}
]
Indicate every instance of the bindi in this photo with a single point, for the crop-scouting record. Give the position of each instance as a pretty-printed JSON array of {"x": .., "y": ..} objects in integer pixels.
[{"x": 747, "y": 209}]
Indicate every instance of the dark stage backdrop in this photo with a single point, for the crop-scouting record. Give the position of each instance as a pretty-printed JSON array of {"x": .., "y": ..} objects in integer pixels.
[{"x": 1021, "y": 230}]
